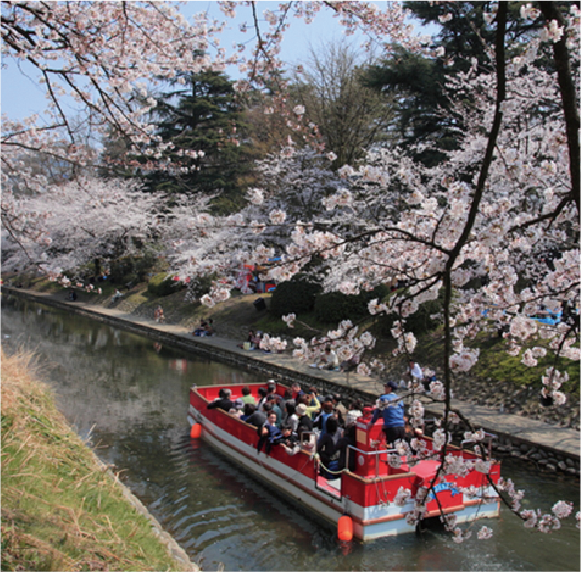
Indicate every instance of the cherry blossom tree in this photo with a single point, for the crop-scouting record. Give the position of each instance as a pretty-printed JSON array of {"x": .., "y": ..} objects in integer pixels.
[
  {"x": 493, "y": 210},
  {"x": 67, "y": 226},
  {"x": 508, "y": 195}
]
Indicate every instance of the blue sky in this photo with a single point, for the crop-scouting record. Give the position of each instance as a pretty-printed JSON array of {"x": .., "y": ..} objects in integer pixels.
[{"x": 22, "y": 96}]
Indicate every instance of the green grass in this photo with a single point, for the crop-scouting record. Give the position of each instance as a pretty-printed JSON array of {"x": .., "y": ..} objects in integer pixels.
[
  {"x": 497, "y": 364},
  {"x": 61, "y": 510}
]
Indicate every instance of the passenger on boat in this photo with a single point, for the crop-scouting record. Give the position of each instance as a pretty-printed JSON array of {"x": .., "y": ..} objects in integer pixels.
[
  {"x": 256, "y": 418},
  {"x": 249, "y": 409},
  {"x": 296, "y": 391},
  {"x": 292, "y": 418},
  {"x": 320, "y": 420},
  {"x": 340, "y": 408},
  {"x": 349, "y": 438},
  {"x": 411, "y": 432},
  {"x": 237, "y": 409},
  {"x": 329, "y": 450},
  {"x": 313, "y": 404},
  {"x": 305, "y": 423},
  {"x": 223, "y": 401},
  {"x": 276, "y": 400},
  {"x": 288, "y": 440},
  {"x": 247, "y": 396},
  {"x": 272, "y": 389},
  {"x": 391, "y": 410},
  {"x": 272, "y": 401},
  {"x": 261, "y": 398},
  {"x": 267, "y": 434}
]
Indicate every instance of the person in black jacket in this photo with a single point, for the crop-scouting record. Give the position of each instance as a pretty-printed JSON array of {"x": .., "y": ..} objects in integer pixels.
[
  {"x": 288, "y": 440},
  {"x": 223, "y": 402},
  {"x": 329, "y": 449},
  {"x": 268, "y": 433},
  {"x": 305, "y": 422},
  {"x": 257, "y": 418}
]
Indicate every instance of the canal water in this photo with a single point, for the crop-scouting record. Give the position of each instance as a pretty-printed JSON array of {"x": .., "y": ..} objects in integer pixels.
[{"x": 130, "y": 396}]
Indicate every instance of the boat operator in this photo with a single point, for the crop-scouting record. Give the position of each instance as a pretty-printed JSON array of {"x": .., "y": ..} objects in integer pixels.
[{"x": 391, "y": 410}]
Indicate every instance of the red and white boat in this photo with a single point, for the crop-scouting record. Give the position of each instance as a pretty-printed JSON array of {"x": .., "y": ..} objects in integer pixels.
[{"x": 369, "y": 495}]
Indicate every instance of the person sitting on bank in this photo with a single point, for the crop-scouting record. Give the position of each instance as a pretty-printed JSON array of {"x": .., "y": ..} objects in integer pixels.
[
  {"x": 392, "y": 413},
  {"x": 223, "y": 401},
  {"x": 158, "y": 314},
  {"x": 209, "y": 328},
  {"x": 201, "y": 329},
  {"x": 329, "y": 360},
  {"x": 256, "y": 340},
  {"x": 351, "y": 364},
  {"x": 414, "y": 372},
  {"x": 247, "y": 345}
]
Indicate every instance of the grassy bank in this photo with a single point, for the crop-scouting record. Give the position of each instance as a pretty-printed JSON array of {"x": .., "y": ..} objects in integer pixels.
[{"x": 61, "y": 509}]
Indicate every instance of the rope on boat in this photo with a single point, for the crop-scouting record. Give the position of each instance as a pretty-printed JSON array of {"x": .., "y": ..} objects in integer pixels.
[{"x": 326, "y": 469}]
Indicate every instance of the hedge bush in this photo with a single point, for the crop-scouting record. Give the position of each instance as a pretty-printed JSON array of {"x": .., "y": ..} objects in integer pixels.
[
  {"x": 424, "y": 320},
  {"x": 335, "y": 306},
  {"x": 161, "y": 285},
  {"x": 295, "y": 296}
]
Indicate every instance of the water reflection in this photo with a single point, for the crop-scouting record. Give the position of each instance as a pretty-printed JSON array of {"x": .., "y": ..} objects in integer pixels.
[{"x": 134, "y": 394}]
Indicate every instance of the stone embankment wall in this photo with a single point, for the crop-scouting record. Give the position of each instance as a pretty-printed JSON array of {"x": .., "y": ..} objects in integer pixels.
[{"x": 523, "y": 401}]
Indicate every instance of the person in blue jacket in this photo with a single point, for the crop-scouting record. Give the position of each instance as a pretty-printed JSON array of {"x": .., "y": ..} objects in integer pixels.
[{"x": 391, "y": 410}]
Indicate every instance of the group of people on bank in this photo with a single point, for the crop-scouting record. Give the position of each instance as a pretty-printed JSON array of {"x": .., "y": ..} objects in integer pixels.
[
  {"x": 206, "y": 328},
  {"x": 302, "y": 419}
]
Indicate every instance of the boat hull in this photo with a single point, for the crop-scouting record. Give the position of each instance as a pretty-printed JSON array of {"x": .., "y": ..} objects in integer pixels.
[{"x": 370, "y": 502}]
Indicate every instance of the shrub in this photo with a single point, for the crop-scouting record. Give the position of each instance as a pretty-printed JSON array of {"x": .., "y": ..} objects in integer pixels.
[
  {"x": 419, "y": 322},
  {"x": 160, "y": 286},
  {"x": 335, "y": 307},
  {"x": 294, "y": 297}
]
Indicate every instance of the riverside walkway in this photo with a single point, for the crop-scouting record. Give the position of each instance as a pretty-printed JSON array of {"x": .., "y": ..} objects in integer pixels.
[{"x": 563, "y": 442}]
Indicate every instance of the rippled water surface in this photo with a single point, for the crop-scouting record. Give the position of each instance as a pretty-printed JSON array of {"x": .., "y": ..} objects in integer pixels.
[{"x": 131, "y": 396}]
